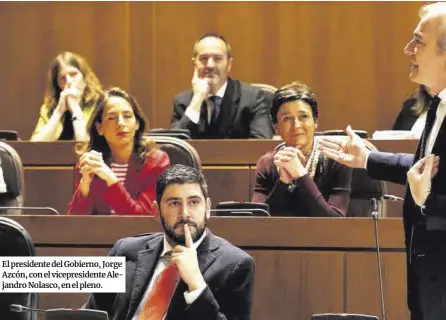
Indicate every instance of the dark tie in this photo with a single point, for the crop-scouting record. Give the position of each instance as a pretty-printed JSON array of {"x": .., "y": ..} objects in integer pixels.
[
  {"x": 161, "y": 294},
  {"x": 216, "y": 102},
  {"x": 430, "y": 120}
]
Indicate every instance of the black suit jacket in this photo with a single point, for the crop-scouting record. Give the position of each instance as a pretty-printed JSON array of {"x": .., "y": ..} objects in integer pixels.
[
  {"x": 227, "y": 270},
  {"x": 425, "y": 234},
  {"x": 244, "y": 114}
]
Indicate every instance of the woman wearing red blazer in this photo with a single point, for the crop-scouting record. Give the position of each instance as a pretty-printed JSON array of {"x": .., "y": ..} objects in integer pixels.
[{"x": 118, "y": 168}]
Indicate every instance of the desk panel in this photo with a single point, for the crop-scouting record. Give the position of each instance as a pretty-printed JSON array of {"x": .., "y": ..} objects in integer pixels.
[
  {"x": 227, "y": 164},
  {"x": 303, "y": 265},
  {"x": 49, "y": 187}
]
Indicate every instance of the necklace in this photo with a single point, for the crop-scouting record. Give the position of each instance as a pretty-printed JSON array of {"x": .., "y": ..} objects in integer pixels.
[
  {"x": 313, "y": 159},
  {"x": 311, "y": 164}
]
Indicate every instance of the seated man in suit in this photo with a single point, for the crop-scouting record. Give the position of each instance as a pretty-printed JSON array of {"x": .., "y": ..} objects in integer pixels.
[
  {"x": 185, "y": 272},
  {"x": 219, "y": 107}
]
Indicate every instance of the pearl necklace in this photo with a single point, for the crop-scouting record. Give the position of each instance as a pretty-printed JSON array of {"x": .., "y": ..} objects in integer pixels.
[
  {"x": 313, "y": 159},
  {"x": 311, "y": 164}
]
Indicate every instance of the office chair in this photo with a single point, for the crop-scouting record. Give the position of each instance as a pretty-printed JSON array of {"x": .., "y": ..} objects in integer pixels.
[
  {"x": 363, "y": 189},
  {"x": 176, "y": 133},
  {"x": 12, "y": 168},
  {"x": 237, "y": 209},
  {"x": 179, "y": 151},
  {"x": 16, "y": 242},
  {"x": 9, "y": 135}
]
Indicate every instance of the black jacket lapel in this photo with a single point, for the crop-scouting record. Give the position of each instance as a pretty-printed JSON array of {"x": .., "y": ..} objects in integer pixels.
[
  {"x": 205, "y": 260},
  {"x": 145, "y": 266},
  {"x": 229, "y": 107}
]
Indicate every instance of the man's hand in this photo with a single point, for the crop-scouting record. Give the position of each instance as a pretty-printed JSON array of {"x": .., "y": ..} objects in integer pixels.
[
  {"x": 289, "y": 164},
  {"x": 420, "y": 178},
  {"x": 186, "y": 260},
  {"x": 200, "y": 86},
  {"x": 350, "y": 151}
]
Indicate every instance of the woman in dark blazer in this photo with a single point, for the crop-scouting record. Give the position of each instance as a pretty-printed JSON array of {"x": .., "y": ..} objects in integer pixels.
[
  {"x": 296, "y": 179},
  {"x": 118, "y": 168}
]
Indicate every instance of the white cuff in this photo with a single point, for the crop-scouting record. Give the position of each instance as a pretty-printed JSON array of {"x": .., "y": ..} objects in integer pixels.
[
  {"x": 193, "y": 115},
  {"x": 190, "y": 297}
]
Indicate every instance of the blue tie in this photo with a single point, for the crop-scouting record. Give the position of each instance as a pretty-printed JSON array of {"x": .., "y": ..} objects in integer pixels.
[{"x": 216, "y": 102}]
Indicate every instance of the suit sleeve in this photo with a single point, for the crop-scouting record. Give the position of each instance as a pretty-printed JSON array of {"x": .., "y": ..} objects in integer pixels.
[
  {"x": 179, "y": 118},
  {"x": 236, "y": 297},
  {"x": 80, "y": 205},
  {"x": 391, "y": 167},
  {"x": 261, "y": 126},
  {"x": 103, "y": 301},
  {"x": 122, "y": 202}
]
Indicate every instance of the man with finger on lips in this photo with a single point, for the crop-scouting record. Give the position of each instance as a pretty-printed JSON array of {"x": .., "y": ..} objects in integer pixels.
[
  {"x": 424, "y": 208},
  {"x": 219, "y": 107},
  {"x": 186, "y": 272}
]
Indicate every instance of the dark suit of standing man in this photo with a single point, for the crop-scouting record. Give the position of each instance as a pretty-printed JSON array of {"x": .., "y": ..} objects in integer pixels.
[
  {"x": 216, "y": 279},
  {"x": 219, "y": 107},
  {"x": 424, "y": 208}
]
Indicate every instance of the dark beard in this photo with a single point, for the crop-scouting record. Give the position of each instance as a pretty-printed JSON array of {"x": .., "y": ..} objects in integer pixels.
[{"x": 181, "y": 239}]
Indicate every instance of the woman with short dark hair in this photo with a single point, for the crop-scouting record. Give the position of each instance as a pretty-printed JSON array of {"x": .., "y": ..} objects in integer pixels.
[{"x": 296, "y": 179}]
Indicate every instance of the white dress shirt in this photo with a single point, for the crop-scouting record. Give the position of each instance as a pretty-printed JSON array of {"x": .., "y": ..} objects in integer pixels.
[
  {"x": 194, "y": 116},
  {"x": 441, "y": 112},
  {"x": 190, "y": 297},
  {"x": 419, "y": 124}
]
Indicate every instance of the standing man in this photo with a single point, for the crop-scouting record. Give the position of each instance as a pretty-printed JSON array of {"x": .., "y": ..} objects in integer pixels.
[
  {"x": 219, "y": 107},
  {"x": 424, "y": 211},
  {"x": 186, "y": 272}
]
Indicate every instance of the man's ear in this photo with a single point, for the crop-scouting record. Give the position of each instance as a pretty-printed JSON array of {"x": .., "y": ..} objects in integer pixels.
[
  {"x": 156, "y": 211},
  {"x": 229, "y": 65},
  {"x": 208, "y": 208}
]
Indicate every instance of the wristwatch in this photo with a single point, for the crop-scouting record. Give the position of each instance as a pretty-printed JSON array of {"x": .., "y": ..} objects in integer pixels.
[{"x": 292, "y": 186}]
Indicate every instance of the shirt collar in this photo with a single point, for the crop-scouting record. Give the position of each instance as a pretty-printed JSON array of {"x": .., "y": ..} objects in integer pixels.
[
  {"x": 221, "y": 92},
  {"x": 442, "y": 95},
  {"x": 167, "y": 247}
]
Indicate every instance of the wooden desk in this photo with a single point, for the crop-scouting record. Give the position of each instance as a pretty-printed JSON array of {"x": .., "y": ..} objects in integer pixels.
[
  {"x": 228, "y": 165},
  {"x": 303, "y": 265}
]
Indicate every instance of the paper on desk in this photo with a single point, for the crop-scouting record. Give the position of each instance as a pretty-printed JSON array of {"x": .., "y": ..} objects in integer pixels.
[{"x": 394, "y": 135}]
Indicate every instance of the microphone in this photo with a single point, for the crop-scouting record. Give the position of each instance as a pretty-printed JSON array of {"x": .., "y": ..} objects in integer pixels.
[
  {"x": 30, "y": 208},
  {"x": 20, "y": 308},
  {"x": 374, "y": 207}
]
